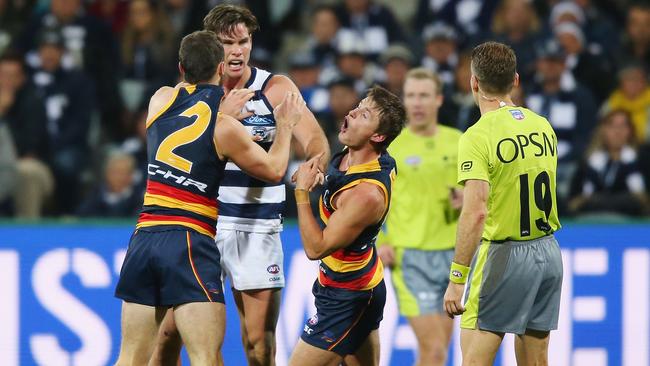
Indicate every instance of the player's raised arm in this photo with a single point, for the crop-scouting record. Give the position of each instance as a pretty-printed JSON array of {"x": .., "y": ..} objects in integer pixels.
[{"x": 233, "y": 142}]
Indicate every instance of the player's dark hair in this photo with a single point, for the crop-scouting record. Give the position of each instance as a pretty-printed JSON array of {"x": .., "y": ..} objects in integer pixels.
[
  {"x": 200, "y": 55},
  {"x": 223, "y": 19},
  {"x": 392, "y": 114},
  {"x": 494, "y": 64}
]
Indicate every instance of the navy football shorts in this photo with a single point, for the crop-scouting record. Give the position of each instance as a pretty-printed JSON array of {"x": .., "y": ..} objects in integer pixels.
[
  {"x": 171, "y": 265},
  {"x": 344, "y": 318}
]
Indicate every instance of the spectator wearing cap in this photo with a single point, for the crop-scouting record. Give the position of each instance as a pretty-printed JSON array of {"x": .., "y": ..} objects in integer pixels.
[
  {"x": 589, "y": 68},
  {"x": 633, "y": 96},
  {"x": 69, "y": 97},
  {"x": 600, "y": 34},
  {"x": 352, "y": 63},
  {"x": 305, "y": 70},
  {"x": 609, "y": 179},
  {"x": 568, "y": 106},
  {"x": 396, "y": 61},
  {"x": 470, "y": 15},
  {"x": 368, "y": 23},
  {"x": 89, "y": 46},
  {"x": 322, "y": 39},
  {"x": 117, "y": 195},
  {"x": 516, "y": 24},
  {"x": 22, "y": 111},
  {"x": 636, "y": 40},
  {"x": 441, "y": 51}
]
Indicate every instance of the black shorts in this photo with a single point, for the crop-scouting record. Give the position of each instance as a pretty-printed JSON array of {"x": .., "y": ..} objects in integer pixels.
[
  {"x": 167, "y": 266},
  {"x": 344, "y": 318}
]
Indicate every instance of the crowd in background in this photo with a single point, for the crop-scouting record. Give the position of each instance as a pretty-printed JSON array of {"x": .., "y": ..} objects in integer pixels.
[{"x": 76, "y": 76}]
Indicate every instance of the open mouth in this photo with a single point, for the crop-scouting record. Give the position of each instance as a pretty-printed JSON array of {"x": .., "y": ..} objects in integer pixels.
[
  {"x": 235, "y": 65},
  {"x": 344, "y": 125}
]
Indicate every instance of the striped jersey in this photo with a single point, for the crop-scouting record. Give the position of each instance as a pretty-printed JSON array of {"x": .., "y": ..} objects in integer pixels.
[
  {"x": 184, "y": 170},
  {"x": 357, "y": 266},
  {"x": 247, "y": 203}
]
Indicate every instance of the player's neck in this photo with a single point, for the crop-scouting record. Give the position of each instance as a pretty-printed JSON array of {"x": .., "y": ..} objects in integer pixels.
[
  {"x": 359, "y": 156},
  {"x": 488, "y": 103},
  {"x": 230, "y": 83}
]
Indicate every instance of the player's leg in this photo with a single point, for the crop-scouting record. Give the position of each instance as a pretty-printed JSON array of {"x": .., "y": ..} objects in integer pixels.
[
  {"x": 531, "y": 348},
  {"x": 368, "y": 353},
  {"x": 202, "y": 327},
  {"x": 258, "y": 312},
  {"x": 253, "y": 261},
  {"x": 307, "y": 355},
  {"x": 479, "y": 347},
  {"x": 139, "y": 328},
  {"x": 433, "y": 333},
  {"x": 168, "y": 343}
]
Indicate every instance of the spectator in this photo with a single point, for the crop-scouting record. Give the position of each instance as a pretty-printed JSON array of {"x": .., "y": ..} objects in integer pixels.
[
  {"x": 396, "y": 60},
  {"x": 368, "y": 23},
  {"x": 589, "y": 68},
  {"x": 114, "y": 12},
  {"x": 610, "y": 180},
  {"x": 342, "y": 98},
  {"x": 569, "y": 107},
  {"x": 323, "y": 38},
  {"x": 633, "y": 96},
  {"x": 22, "y": 111},
  {"x": 69, "y": 100},
  {"x": 599, "y": 27},
  {"x": 304, "y": 70},
  {"x": 117, "y": 195},
  {"x": 459, "y": 109},
  {"x": 90, "y": 47},
  {"x": 516, "y": 24},
  {"x": 441, "y": 51},
  {"x": 470, "y": 15},
  {"x": 13, "y": 16},
  {"x": 148, "y": 45},
  {"x": 352, "y": 63},
  {"x": 636, "y": 40},
  {"x": 136, "y": 146}
]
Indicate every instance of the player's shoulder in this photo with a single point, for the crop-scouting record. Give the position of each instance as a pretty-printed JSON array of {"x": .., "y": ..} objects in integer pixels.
[
  {"x": 367, "y": 195},
  {"x": 161, "y": 99}
]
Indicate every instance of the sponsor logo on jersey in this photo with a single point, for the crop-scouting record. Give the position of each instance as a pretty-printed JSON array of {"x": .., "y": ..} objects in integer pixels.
[
  {"x": 413, "y": 160},
  {"x": 517, "y": 114},
  {"x": 258, "y": 120}
]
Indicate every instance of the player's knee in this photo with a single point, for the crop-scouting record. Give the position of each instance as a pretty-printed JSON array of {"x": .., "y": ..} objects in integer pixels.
[{"x": 433, "y": 354}]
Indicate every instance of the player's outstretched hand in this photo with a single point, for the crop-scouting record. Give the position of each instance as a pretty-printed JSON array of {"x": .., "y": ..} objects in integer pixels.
[
  {"x": 452, "y": 299},
  {"x": 233, "y": 103},
  {"x": 288, "y": 113},
  {"x": 308, "y": 175}
]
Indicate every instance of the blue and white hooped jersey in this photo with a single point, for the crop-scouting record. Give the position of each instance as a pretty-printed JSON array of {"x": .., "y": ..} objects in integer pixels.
[{"x": 246, "y": 203}]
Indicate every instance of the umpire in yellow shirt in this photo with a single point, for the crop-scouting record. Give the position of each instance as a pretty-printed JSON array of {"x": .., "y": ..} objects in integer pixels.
[
  {"x": 418, "y": 241},
  {"x": 508, "y": 164}
]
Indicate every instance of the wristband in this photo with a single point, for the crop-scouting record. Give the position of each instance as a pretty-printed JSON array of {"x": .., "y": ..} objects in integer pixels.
[
  {"x": 458, "y": 273},
  {"x": 302, "y": 196}
]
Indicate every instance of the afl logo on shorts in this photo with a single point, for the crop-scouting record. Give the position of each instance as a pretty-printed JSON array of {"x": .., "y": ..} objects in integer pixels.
[
  {"x": 313, "y": 320},
  {"x": 273, "y": 269}
]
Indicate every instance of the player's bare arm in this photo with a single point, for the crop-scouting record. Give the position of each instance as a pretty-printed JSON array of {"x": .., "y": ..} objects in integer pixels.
[
  {"x": 470, "y": 228},
  {"x": 357, "y": 208},
  {"x": 233, "y": 142},
  {"x": 308, "y": 132}
]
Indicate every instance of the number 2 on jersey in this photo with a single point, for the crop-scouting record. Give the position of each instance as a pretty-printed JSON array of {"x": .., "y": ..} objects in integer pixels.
[
  {"x": 184, "y": 136},
  {"x": 543, "y": 201}
]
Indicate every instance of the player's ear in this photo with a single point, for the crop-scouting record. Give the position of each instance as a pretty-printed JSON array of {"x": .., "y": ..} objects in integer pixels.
[
  {"x": 516, "y": 81},
  {"x": 473, "y": 83},
  {"x": 377, "y": 137},
  {"x": 181, "y": 70}
]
